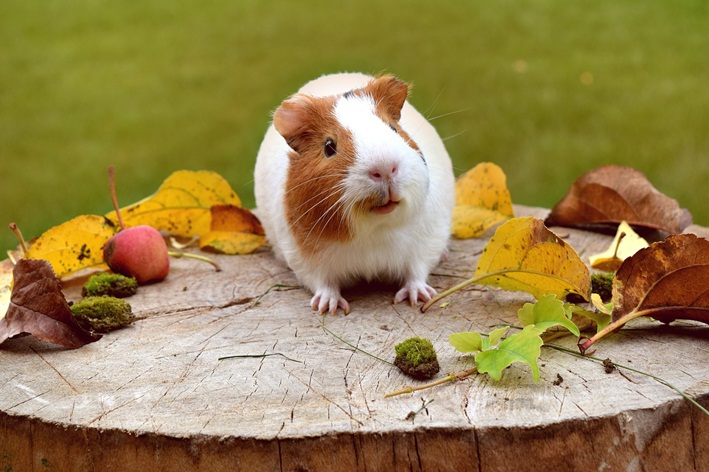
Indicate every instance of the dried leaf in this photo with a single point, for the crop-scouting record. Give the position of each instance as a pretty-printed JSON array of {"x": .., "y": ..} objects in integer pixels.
[
  {"x": 182, "y": 205},
  {"x": 482, "y": 200},
  {"x": 668, "y": 280},
  {"x": 233, "y": 230},
  {"x": 626, "y": 243},
  {"x": 74, "y": 245},
  {"x": 524, "y": 255},
  {"x": 611, "y": 194},
  {"x": 38, "y": 307}
]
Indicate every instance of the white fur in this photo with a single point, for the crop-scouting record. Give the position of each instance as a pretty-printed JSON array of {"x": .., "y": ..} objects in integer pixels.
[{"x": 402, "y": 246}]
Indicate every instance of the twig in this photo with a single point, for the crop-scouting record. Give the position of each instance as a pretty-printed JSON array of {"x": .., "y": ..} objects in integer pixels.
[
  {"x": 189, "y": 255},
  {"x": 449, "y": 378},
  {"x": 477, "y": 279},
  {"x": 631, "y": 369},
  {"x": 272, "y": 287},
  {"x": 237, "y": 356},
  {"x": 339, "y": 338},
  {"x": 55, "y": 370}
]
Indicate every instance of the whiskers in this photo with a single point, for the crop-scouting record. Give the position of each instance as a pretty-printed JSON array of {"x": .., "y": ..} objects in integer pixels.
[{"x": 320, "y": 222}]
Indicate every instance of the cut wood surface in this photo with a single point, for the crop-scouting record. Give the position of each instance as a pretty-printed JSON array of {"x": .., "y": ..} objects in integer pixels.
[{"x": 156, "y": 396}]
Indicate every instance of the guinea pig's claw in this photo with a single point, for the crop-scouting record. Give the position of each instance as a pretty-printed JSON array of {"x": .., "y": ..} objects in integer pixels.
[
  {"x": 415, "y": 291},
  {"x": 330, "y": 301}
]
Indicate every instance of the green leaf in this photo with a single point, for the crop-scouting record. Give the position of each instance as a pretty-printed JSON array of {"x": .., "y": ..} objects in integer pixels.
[
  {"x": 524, "y": 346},
  {"x": 548, "y": 311},
  {"x": 472, "y": 341},
  {"x": 466, "y": 341},
  {"x": 494, "y": 337}
]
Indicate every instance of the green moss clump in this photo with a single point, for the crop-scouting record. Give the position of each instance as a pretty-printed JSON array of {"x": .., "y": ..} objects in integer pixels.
[
  {"x": 102, "y": 314},
  {"x": 602, "y": 284},
  {"x": 417, "y": 358},
  {"x": 113, "y": 285}
]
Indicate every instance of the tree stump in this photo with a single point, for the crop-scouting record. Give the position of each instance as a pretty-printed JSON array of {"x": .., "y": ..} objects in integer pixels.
[{"x": 156, "y": 396}]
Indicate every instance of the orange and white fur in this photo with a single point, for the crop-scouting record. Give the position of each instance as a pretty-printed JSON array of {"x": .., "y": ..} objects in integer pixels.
[{"x": 351, "y": 184}]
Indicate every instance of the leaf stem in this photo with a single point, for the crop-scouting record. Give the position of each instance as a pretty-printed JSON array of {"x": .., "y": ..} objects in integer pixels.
[
  {"x": 240, "y": 356},
  {"x": 18, "y": 234},
  {"x": 112, "y": 190},
  {"x": 617, "y": 324},
  {"x": 189, "y": 255},
  {"x": 477, "y": 279},
  {"x": 454, "y": 289},
  {"x": 631, "y": 369},
  {"x": 449, "y": 378},
  {"x": 257, "y": 300},
  {"x": 352, "y": 345}
]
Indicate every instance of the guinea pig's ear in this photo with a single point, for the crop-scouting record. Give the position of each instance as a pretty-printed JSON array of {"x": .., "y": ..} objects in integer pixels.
[
  {"x": 389, "y": 95},
  {"x": 291, "y": 118}
]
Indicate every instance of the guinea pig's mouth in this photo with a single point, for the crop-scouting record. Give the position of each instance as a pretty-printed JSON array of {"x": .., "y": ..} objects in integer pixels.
[{"x": 386, "y": 208}]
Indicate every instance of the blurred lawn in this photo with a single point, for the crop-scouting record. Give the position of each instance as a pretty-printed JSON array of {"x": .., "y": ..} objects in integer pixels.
[{"x": 548, "y": 89}]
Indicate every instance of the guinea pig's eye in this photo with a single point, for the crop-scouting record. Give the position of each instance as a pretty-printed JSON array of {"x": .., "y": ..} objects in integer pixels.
[
  {"x": 330, "y": 148},
  {"x": 393, "y": 128}
]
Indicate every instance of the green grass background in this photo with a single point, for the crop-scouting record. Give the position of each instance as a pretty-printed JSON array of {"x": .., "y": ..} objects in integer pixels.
[{"x": 548, "y": 89}]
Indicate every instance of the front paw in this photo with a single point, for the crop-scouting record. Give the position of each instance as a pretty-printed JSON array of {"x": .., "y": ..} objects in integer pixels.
[
  {"x": 414, "y": 291},
  {"x": 329, "y": 299}
]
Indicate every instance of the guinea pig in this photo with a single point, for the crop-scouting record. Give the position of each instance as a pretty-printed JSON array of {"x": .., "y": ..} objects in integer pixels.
[{"x": 353, "y": 184}]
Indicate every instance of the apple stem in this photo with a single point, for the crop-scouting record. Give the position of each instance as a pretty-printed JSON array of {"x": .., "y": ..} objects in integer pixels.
[
  {"x": 18, "y": 234},
  {"x": 112, "y": 189},
  {"x": 195, "y": 256}
]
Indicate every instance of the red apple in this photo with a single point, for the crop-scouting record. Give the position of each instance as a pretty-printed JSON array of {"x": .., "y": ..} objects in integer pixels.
[{"x": 140, "y": 252}]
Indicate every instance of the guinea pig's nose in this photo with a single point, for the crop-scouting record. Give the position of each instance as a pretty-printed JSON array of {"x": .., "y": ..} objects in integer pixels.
[{"x": 383, "y": 172}]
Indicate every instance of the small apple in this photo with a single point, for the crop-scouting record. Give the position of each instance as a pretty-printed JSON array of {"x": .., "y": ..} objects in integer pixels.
[{"x": 139, "y": 251}]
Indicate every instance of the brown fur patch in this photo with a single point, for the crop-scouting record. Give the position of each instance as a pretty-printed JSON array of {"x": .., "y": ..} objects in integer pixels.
[
  {"x": 389, "y": 95},
  {"x": 313, "y": 184}
]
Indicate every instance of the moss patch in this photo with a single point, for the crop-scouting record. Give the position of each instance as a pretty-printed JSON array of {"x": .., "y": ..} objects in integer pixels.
[
  {"x": 417, "y": 358},
  {"x": 103, "y": 313},
  {"x": 602, "y": 284},
  {"x": 114, "y": 285}
]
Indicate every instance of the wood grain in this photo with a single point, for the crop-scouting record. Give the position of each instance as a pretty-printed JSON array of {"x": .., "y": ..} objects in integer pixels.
[{"x": 155, "y": 396}]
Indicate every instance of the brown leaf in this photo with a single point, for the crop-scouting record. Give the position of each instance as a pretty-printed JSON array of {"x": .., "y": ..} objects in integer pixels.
[
  {"x": 668, "y": 280},
  {"x": 611, "y": 194},
  {"x": 38, "y": 307}
]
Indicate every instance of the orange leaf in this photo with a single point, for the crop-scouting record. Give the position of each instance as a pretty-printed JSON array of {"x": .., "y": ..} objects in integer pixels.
[{"x": 233, "y": 230}]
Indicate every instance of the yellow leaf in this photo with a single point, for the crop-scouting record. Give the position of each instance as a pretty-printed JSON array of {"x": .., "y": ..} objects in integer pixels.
[
  {"x": 74, "y": 245},
  {"x": 481, "y": 201},
  {"x": 626, "y": 243},
  {"x": 598, "y": 303},
  {"x": 524, "y": 255},
  {"x": 231, "y": 242},
  {"x": 181, "y": 206},
  {"x": 233, "y": 230}
]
